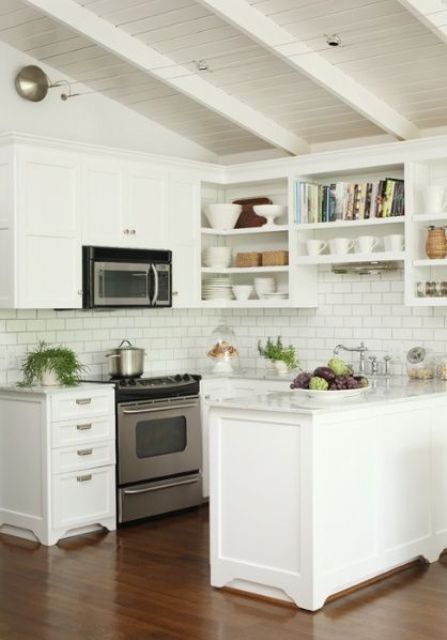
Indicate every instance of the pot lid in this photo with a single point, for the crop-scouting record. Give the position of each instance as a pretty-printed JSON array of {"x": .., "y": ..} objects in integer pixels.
[
  {"x": 416, "y": 355},
  {"x": 129, "y": 346}
]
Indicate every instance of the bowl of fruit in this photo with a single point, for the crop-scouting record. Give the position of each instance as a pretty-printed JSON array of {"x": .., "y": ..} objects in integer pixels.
[{"x": 333, "y": 381}]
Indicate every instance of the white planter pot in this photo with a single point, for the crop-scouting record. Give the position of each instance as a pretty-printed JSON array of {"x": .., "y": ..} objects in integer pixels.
[
  {"x": 281, "y": 367},
  {"x": 49, "y": 378}
]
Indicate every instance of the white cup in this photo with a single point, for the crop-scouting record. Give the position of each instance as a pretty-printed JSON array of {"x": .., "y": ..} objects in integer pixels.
[
  {"x": 340, "y": 246},
  {"x": 315, "y": 247},
  {"x": 394, "y": 242},
  {"x": 365, "y": 244},
  {"x": 434, "y": 198}
]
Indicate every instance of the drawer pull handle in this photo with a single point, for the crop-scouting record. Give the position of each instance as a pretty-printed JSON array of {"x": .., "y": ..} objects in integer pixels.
[
  {"x": 85, "y": 478},
  {"x": 83, "y": 401},
  {"x": 84, "y": 427},
  {"x": 85, "y": 452}
]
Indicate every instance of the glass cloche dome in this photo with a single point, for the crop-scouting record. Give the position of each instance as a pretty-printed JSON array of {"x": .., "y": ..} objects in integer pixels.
[{"x": 223, "y": 355}]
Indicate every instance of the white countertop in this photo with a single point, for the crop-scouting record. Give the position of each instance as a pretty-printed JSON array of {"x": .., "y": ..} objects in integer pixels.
[
  {"x": 251, "y": 374},
  {"x": 39, "y": 390},
  {"x": 381, "y": 390}
]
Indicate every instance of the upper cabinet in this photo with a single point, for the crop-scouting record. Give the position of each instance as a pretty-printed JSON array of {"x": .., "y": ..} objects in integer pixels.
[
  {"x": 40, "y": 230},
  {"x": 124, "y": 204}
]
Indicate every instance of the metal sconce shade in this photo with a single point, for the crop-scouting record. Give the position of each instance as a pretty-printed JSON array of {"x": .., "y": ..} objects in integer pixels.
[{"x": 32, "y": 83}]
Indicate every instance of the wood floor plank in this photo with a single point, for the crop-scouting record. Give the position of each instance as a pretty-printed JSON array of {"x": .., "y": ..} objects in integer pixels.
[{"x": 151, "y": 582}]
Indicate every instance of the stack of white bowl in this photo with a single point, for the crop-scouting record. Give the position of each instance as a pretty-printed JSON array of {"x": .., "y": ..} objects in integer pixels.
[
  {"x": 217, "y": 288},
  {"x": 264, "y": 286},
  {"x": 218, "y": 257}
]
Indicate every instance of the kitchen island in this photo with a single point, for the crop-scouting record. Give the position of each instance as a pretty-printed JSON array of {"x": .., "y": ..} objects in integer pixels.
[{"x": 309, "y": 499}]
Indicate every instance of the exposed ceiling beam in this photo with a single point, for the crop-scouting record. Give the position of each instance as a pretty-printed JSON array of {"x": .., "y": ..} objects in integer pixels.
[
  {"x": 168, "y": 71},
  {"x": 432, "y": 13},
  {"x": 295, "y": 52}
]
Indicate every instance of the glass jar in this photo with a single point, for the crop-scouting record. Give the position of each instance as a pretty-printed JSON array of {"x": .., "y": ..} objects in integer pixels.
[
  {"x": 420, "y": 364},
  {"x": 223, "y": 354},
  {"x": 441, "y": 367}
]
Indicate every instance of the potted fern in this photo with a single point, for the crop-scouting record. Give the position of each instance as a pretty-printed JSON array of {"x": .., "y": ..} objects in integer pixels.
[
  {"x": 282, "y": 358},
  {"x": 51, "y": 366}
]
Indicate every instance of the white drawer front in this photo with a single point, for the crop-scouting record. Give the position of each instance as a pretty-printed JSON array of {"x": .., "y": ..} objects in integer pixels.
[
  {"x": 83, "y": 456},
  {"x": 83, "y": 497},
  {"x": 82, "y": 431},
  {"x": 81, "y": 405}
]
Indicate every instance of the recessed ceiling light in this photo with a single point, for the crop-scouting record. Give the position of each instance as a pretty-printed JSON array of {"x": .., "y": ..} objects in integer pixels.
[{"x": 333, "y": 40}]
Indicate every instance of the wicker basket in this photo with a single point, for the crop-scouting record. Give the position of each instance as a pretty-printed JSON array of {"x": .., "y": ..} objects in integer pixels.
[
  {"x": 250, "y": 259},
  {"x": 275, "y": 258}
]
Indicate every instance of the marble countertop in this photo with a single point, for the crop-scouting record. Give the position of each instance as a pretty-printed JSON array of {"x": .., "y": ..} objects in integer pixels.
[
  {"x": 39, "y": 390},
  {"x": 381, "y": 390},
  {"x": 251, "y": 374}
]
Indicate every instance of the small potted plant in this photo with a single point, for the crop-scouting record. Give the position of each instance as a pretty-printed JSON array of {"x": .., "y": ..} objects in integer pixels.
[
  {"x": 283, "y": 358},
  {"x": 51, "y": 366}
]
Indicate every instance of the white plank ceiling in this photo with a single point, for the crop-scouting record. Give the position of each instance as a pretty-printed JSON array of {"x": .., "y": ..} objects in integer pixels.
[{"x": 384, "y": 47}]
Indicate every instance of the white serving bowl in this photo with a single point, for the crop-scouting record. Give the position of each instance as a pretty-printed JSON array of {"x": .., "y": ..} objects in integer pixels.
[
  {"x": 223, "y": 216},
  {"x": 242, "y": 291},
  {"x": 270, "y": 212}
]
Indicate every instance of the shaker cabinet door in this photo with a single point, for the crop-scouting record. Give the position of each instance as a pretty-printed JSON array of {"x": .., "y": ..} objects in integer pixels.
[
  {"x": 103, "y": 212},
  {"x": 146, "y": 208}
]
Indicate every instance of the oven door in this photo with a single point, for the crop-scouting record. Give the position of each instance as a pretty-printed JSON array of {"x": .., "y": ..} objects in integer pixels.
[
  {"x": 122, "y": 284},
  {"x": 158, "y": 438}
]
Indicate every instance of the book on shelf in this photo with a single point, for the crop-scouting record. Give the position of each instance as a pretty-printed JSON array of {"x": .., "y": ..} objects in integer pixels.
[{"x": 348, "y": 200}]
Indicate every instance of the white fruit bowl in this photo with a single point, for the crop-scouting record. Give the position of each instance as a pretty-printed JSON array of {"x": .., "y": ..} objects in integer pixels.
[
  {"x": 270, "y": 212},
  {"x": 223, "y": 216},
  {"x": 331, "y": 396}
]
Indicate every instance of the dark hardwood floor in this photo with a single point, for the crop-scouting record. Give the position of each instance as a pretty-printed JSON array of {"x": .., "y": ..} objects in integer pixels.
[{"x": 151, "y": 582}]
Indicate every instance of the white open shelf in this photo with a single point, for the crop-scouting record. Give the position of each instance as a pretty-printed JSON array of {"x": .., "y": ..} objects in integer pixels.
[
  {"x": 229, "y": 270},
  {"x": 271, "y": 228},
  {"x": 343, "y": 224},
  {"x": 246, "y": 304},
  {"x": 430, "y": 217},
  {"x": 379, "y": 256},
  {"x": 428, "y": 262}
]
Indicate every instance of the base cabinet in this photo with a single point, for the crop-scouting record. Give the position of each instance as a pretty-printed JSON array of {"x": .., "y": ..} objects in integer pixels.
[
  {"x": 57, "y": 462},
  {"x": 214, "y": 389}
]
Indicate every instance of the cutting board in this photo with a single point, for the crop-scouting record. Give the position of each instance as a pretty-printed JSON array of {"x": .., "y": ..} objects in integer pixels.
[{"x": 248, "y": 218}]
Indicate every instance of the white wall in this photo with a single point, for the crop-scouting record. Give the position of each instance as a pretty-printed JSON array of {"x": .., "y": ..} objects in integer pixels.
[
  {"x": 351, "y": 309},
  {"x": 91, "y": 118}
]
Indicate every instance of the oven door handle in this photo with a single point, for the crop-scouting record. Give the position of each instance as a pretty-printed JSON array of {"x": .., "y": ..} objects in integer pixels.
[
  {"x": 155, "y": 297},
  {"x": 128, "y": 412},
  {"x": 130, "y": 492}
]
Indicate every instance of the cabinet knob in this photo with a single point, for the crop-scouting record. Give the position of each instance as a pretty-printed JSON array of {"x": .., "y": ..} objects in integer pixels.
[
  {"x": 126, "y": 231},
  {"x": 80, "y": 292},
  {"x": 175, "y": 293},
  {"x": 132, "y": 232}
]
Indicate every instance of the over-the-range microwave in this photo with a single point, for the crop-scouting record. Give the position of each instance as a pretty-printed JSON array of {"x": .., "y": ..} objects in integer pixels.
[{"x": 120, "y": 277}]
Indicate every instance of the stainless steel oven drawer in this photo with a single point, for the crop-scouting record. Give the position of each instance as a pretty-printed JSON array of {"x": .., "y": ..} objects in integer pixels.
[{"x": 160, "y": 496}]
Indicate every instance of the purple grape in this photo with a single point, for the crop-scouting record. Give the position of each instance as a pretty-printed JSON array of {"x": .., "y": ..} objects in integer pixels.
[{"x": 301, "y": 381}]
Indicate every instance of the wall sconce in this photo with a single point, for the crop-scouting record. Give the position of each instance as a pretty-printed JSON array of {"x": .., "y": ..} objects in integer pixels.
[{"x": 32, "y": 83}]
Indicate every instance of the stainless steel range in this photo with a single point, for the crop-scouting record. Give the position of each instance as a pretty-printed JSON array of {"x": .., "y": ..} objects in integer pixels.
[{"x": 159, "y": 446}]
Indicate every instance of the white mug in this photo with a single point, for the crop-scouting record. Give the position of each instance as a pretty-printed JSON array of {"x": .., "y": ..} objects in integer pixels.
[
  {"x": 394, "y": 242},
  {"x": 340, "y": 245},
  {"x": 365, "y": 244},
  {"x": 434, "y": 198},
  {"x": 315, "y": 247}
]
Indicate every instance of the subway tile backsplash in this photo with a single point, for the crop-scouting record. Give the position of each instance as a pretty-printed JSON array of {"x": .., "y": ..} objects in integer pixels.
[{"x": 351, "y": 308}]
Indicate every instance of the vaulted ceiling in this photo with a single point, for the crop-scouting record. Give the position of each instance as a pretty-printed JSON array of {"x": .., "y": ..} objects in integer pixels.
[{"x": 272, "y": 80}]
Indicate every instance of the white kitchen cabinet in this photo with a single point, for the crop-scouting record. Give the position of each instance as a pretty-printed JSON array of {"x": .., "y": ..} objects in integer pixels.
[
  {"x": 212, "y": 389},
  {"x": 40, "y": 228},
  {"x": 183, "y": 220},
  {"x": 103, "y": 207},
  {"x": 124, "y": 204},
  {"x": 57, "y": 461}
]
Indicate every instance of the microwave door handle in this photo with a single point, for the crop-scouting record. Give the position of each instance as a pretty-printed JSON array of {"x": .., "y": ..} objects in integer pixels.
[{"x": 155, "y": 296}]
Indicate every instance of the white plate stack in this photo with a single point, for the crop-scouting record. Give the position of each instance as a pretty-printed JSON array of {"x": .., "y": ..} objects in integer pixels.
[
  {"x": 217, "y": 288},
  {"x": 217, "y": 257}
]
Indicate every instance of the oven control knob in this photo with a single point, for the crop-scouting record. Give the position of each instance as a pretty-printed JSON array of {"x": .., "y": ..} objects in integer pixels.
[
  {"x": 132, "y": 381},
  {"x": 178, "y": 378},
  {"x": 123, "y": 382},
  {"x": 186, "y": 377}
]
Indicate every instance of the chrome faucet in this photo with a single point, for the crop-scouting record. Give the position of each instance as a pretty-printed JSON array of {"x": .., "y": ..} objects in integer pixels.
[{"x": 361, "y": 351}]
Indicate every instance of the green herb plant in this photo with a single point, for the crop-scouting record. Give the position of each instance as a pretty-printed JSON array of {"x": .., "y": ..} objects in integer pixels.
[
  {"x": 61, "y": 360},
  {"x": 276, "y": 351}
]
